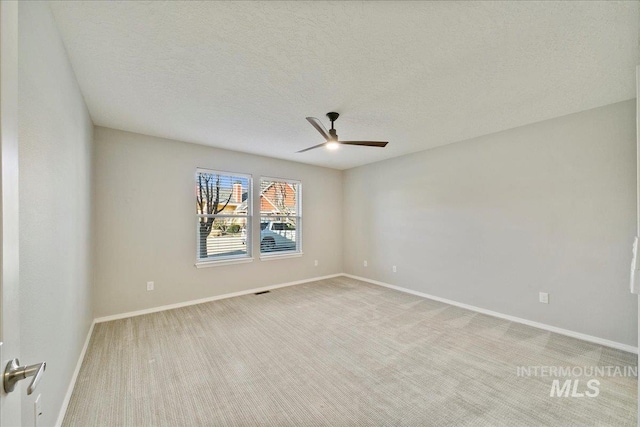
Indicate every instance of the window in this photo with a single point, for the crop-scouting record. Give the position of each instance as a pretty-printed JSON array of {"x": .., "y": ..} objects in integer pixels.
[
  {"x": 280, "y": 216},
  {"x": 223, "y": 212}
]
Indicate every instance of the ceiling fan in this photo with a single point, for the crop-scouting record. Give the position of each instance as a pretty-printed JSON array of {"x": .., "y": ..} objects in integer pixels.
[{"x": 331, "y": 136}]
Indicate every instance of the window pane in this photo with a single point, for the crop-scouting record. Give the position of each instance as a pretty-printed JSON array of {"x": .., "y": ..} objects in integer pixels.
[
  {"x": 278, "y": 198},
  {"x": 222, "y": 237},
  {"x": 221, "y": 194},
  {"x": 278, "y": 234}
]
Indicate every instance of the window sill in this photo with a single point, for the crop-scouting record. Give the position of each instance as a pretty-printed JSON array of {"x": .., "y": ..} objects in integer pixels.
[
  {"x": 208, "y": 264},
  {"x": 281, "y": 256}
]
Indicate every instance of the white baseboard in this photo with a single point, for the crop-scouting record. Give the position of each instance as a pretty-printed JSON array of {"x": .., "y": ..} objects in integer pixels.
[
  {"x": 72, "y": 383},
  {"x": 573, "y": 334},
  {"x": 209, "y": 299}
]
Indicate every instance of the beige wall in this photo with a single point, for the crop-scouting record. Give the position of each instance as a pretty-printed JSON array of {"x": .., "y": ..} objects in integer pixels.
[
  {"x": 55, "y": 140},
  {"x": 492, "y": 221},
  {"x": 144, "y": 228}
]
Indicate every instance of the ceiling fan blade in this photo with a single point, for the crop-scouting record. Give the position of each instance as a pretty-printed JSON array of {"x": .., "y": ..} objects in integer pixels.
[
  {"x": 366, "y": 143},
  {"x": 311, "y": 148},
  {"x": 319, "y": 127}
]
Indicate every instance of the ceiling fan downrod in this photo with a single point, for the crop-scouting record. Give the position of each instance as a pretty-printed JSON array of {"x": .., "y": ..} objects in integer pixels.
[{"x": 333, "y": 116}]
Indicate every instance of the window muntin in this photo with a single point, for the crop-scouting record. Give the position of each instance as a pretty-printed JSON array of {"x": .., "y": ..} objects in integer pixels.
[
  {"x": 280, "y": 216},
  {"x": 223, "y": 212}
]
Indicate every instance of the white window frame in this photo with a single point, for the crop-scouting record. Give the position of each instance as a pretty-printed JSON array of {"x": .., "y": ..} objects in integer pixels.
[
  {"x": 230, "y": 259},
  {"x": 283, "y": 254}
]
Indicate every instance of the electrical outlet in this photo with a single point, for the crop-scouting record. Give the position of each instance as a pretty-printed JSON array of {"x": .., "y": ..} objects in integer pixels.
[
  {"x": 365, "y": 263},
  {"x": 544, "y": 297},
  {"x": 37, "y": 410},
  {"x": 150, "y": 286},
  {"x": 395, "y": 270},
  {"x": 315, "y": 263}
]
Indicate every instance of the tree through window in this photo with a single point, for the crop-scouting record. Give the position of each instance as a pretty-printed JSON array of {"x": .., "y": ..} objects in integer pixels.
[{"x": 223, "y": 214}]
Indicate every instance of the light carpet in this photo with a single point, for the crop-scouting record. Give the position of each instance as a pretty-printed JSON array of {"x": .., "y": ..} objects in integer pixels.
[{"x": 337, "y": 352}]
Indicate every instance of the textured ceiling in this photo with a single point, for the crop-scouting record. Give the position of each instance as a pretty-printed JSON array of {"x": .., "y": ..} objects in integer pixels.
[{"x": 243, "y": 75}]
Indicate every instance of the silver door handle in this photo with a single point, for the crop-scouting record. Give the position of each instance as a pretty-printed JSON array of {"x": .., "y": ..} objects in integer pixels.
[{"x": 14, "y": 373}]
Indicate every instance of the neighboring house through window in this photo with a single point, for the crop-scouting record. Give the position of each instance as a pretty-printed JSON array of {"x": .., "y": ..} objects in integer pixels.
[
  {"x": 223, "y": 211},
  {"x": 280, "y": 216}
]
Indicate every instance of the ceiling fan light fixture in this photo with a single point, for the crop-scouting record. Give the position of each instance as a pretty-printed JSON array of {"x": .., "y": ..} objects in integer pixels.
[{"x": 332, "y": 145}]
